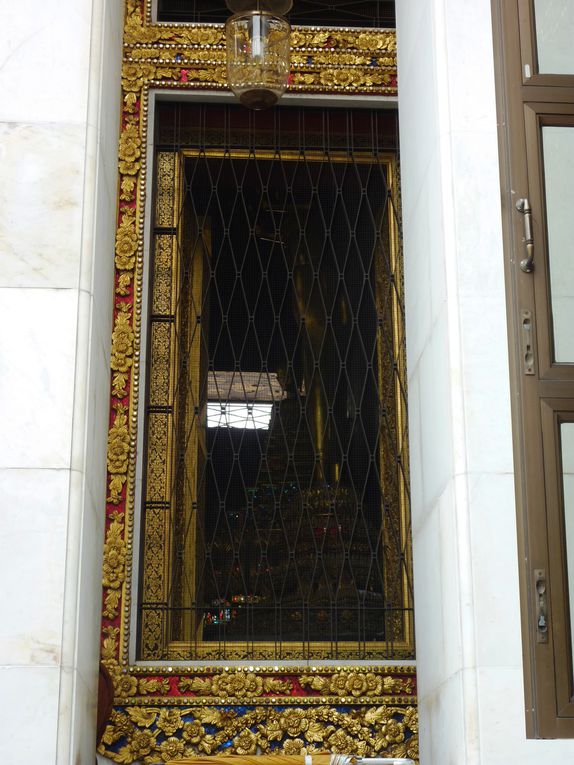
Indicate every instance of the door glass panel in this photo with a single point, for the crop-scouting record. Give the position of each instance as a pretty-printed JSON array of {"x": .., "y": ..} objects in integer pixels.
[
  {"x": 567, "y": 436},
  {"x": 555, "y": 36},
  {"x": 558, "y": 144}
]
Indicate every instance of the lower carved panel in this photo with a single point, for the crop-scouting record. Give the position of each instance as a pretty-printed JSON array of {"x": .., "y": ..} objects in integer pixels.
[{"x": 152, "y": 734}]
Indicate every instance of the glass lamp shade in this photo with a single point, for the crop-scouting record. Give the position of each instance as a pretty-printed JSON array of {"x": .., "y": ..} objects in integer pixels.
[{"x": 258, "y": 57}]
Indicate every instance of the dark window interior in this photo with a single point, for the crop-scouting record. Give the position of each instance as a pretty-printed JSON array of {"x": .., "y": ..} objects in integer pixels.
[{"x": 284, "y": 374}]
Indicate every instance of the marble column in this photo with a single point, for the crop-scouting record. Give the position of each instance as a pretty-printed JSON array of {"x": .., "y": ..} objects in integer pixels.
[
  {"x": 59, "y": 122},
  {"x": 469, "y": 654}
]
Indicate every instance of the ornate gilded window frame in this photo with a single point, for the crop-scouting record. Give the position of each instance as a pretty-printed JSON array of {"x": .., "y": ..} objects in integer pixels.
[
  {"x": 154, "y": 638},
  {"x": 167, "y": 712}
]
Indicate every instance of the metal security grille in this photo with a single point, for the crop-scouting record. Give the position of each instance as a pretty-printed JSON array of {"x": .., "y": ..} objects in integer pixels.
[
  {"x": 275, "y": 502},
  {"x": 350, "y": 13}
]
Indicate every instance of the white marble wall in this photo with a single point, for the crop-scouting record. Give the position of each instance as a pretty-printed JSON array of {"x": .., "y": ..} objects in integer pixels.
[
  {"x": 59, "y": 118},
  {"x": 469, "y": 652}
]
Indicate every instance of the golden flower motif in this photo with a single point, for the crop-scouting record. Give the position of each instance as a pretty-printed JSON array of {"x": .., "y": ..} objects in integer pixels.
[
  {"x": 126, "y": 244},
  {"x": 294, "y": 746},
  {"x": 369, "y": 41},
  {"x": 238, "y": 684},
  {"x": 393, "y": 731},
  {"x": 125, "y": 685},
  {"x": 374, "y": 684},
  {"x": 134, "y": 76},
  {"x": 245, "y": 742},
  {"x": 171, "y": 748},
  {"x": 345, "y": 77},
  {"x": 118, "y": 451},
  {"x": 123, "y": 339},
  {"x": 130, "y": 143},
  {"x": 193, "y": 732},
  {"x": 338, "y": 685},
  {"x": 169, "y": 721},
  {"x": 114, "y": 561},
  {"x": 294, "y": 721},
  {"x": 352, "y": 726},
  {"x": 340, "y": 743},
  {"x": 411, "y": 719},
  {"x": 141, "y": 742},
  {"x": 121, "y": 360},
  {"x": 272, "y": 730},
  {"x": 356, "y": 685},
  {"x": 128, "y": 168}
]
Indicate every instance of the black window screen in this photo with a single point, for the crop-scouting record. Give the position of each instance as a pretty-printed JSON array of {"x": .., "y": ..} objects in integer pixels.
[
  {"x": 350, "y": 13},
  {"x": 275, "y": 513}
]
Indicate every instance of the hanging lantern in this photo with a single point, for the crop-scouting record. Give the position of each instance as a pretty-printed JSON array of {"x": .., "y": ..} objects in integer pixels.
[{"x": 258, "y": 51}]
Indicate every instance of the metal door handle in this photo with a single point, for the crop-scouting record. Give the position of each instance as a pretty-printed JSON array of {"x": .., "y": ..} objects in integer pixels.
[{"x": 527, "y": 263}]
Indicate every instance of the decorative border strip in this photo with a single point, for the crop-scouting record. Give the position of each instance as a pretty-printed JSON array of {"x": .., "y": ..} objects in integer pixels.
[
  {"x": 154, "y": 733},
  {"x": 147, "y": 721},
  {"x": 335, "y": 60}
]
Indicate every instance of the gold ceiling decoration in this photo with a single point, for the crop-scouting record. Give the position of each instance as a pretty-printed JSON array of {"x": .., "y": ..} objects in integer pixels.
[{"x": 160, "y": 712}]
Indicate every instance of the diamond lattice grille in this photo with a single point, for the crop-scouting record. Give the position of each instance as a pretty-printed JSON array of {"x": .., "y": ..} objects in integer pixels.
[{"x": 275, "y": 499}]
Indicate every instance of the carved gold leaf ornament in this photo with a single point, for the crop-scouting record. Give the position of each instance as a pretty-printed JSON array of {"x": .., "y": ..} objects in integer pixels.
[
  {"x": 114, "y": 554},
  {"x": 110, "y": 647},
  {"x": 111, "y": 604},
  {"x": 118, "y": 454},
  {"x": 124, "y": 282},
  {"x": 155, "y": 685},
  {"x": 126, "y": 244},
  {"x": 193, "y": 732},
  {"x": 181, "y": 731},
  {"x": 122, "y": 352},
  {"x": 127, "y": 188},
  {"x": 143, "y": 718}
]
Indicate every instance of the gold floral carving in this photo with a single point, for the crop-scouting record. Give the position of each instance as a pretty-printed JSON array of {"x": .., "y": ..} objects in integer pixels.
[
  {"x": 113, "y": 569},
  {"x": 118, "y": 453},
  {"x": 126, "y": 241},
  {"x": 281, "y": 685},
  {"x": 193, "y": 55},
  {"x": 158, "y": 734},
  {"x": 357, "y": 684}
]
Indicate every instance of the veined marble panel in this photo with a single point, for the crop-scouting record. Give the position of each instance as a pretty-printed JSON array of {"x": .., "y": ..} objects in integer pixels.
[
  {"x": 32, "y": 565},
  {"x": 37, "y": 365},
  {"x": 45, "y": 60},
  {"x": 41, "y": 201}
]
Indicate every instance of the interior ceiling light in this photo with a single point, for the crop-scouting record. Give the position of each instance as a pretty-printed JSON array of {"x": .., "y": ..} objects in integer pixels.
[{"x": 258, "y": 50}]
